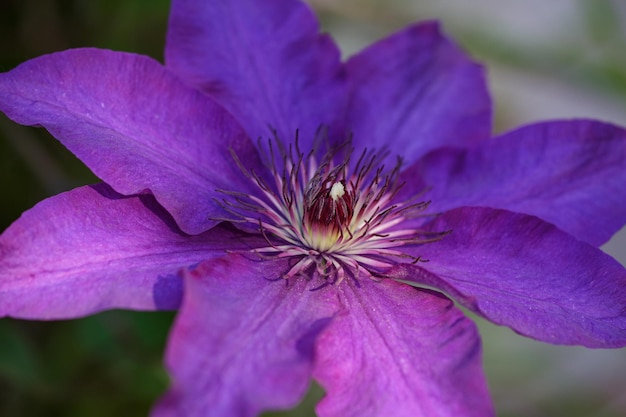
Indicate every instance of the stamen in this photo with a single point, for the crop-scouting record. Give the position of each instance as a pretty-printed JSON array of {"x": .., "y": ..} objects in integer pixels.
[{"x": 335, "y": 222}]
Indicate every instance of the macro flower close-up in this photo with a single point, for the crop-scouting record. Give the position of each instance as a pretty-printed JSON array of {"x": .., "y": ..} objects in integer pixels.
[{"x": 313, "y": 218}]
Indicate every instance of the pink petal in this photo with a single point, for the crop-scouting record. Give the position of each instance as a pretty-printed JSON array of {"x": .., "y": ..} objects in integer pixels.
[
  {"x": 136, "y": 126},
  {"x": 92, "y": 249},
  {"x": 400, "y": 351},
  {"x": 519, "y": 271},
  {"x": 266, "y": 62},
  {"x": 243, "y": 340},
  {"x": 570, "y": 173},
  {"x": 416, "y": 91}
]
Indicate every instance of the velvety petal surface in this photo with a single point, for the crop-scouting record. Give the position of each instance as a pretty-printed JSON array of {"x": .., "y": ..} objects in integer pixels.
[
  {"x": 91, "y": 249},
  {"x": 265, "y": 61},
  {"x": 416, "y": 91},
  {"x": 243, "y": 340},
  {"x": 399, "y": 351},
  {"x": 135, "y": 125},
  {"x": 570, "y": 173},
  {"x": 519, "y": 271}
]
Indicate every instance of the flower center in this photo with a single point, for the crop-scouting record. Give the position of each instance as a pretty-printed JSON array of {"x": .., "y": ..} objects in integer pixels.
[
  {"x": 335, "y": 218},
  {"x": 328, "y": 211}
]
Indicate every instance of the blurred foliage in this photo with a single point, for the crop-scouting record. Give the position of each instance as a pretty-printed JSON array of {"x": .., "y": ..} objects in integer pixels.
[
  {"x": 110, "y": 364},
  {"x": 104, "y": 365}
]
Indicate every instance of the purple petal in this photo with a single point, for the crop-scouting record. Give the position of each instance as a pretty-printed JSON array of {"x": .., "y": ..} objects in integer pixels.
[
  {"x": 92, "y": 249},
  {"x": 400, "y": 351},
  {"x": 570, "y": 173},
  {"x": 416, "y": 91},
  {"x": 519, "y": 271},
  {"x": 266, "y": 62},
  {"x": 135, "y": 125},
  {"x": 243, "y": 341}
]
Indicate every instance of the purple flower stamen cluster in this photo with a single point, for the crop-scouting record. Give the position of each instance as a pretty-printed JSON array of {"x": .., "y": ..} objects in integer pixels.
[{"x": 331, "y": 221}]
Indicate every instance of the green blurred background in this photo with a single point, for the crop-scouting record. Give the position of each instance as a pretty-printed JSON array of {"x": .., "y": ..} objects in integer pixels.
[{"x": 563, "y": 59}]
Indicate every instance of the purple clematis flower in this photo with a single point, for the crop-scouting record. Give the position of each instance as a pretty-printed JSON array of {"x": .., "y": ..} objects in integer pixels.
[{"x": 293, "y": 198}]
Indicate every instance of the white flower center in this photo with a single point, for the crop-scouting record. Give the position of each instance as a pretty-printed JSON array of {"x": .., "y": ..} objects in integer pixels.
[{"x": 333, "y": 223}]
